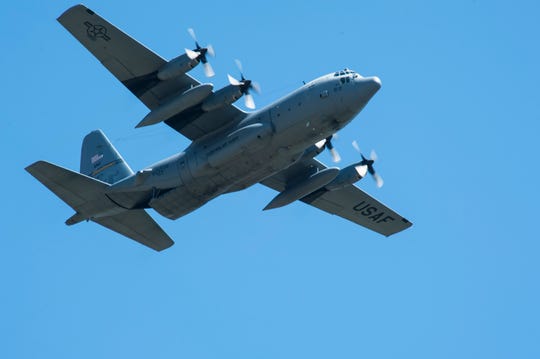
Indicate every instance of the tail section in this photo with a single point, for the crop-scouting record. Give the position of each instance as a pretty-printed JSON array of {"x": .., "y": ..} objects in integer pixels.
[
  {"x": 100, "y": 160},
  {"x": 101, "y": 165}
]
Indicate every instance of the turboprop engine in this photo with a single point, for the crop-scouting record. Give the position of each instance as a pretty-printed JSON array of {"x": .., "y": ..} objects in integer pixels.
[
  {"x": 185, "y": 62},
  {"x": 222, "y": 97},
  {"x": 233, "y": 92},
  {"x": 176, "y": 67},
  {"x": 347, "y": 176},
  {"x": 303, "y": 188}
]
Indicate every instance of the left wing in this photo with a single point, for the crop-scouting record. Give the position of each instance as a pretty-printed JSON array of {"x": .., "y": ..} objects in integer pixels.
[
  {"x": 350, "y": 202},
  {"x": 136, "y": 67}
]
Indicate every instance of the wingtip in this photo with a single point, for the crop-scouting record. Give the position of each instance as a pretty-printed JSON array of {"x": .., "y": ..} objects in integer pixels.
[
  {"x": 31, "y": 167},
  {"x": 73, "y": 8},
  {"x": 270, "y": 206},
  {"x": 162, "y": 248}
]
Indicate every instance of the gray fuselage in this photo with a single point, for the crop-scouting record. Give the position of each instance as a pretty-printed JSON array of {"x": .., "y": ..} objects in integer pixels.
[{"x": 265, "y": 142}]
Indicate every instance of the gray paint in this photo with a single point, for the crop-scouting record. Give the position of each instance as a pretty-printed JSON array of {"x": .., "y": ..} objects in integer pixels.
[{"x": 231, "y": 149}]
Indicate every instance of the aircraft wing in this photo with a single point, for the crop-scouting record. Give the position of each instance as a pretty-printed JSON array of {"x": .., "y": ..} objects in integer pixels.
[
  {"x": 350, "y": 202},
  {"x": 136, "y": 67}
]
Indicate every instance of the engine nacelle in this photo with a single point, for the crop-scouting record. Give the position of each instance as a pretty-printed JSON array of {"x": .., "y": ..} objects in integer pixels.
[
  {"x": 176, "y": 67},
  {"x": 346, "y": 177},
  {"x": 305, "y": 187},
  {"x": 222, "y": 97}
]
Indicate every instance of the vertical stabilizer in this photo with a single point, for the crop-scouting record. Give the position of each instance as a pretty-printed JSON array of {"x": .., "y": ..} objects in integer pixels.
[{"x": 99, "y": 159}]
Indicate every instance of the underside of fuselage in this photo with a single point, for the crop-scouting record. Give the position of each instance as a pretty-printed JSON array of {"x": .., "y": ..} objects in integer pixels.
[
  {"x": 264, "y": 143},
  {"x": 231, "y": 149}
]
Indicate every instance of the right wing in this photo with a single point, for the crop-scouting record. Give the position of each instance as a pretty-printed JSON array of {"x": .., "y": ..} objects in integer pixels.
[
  {"x": 350, "y": 202},
  {"x": 136, "y": 67}
]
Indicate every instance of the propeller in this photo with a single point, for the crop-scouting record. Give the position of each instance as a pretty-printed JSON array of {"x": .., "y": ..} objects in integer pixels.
[
  {"x": 330, "y": 147},
  {"x": 245, "y": 86},
  {"x": 327, "y": 143},
  {"x": 369, "y": 164},
  {"x": 199, "y": 54}
]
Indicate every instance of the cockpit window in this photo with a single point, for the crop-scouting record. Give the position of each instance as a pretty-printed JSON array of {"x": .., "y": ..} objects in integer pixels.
[{"x": 344, "y": 72}]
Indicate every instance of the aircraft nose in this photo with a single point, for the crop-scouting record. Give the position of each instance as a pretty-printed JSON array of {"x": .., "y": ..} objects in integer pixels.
[
  {"x": 370, "y": 86},
  {"x": 375, "y": 83}
]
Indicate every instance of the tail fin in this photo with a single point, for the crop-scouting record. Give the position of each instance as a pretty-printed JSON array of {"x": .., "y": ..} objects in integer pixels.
[{"x": 99, "y": 159}]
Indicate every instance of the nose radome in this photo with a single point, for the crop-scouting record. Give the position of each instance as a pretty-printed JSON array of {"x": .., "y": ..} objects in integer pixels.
[{"x": 376, "y": 82}]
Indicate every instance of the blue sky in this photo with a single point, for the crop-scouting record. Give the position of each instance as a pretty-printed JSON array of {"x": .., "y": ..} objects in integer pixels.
[{"x": 456, "y": 129}]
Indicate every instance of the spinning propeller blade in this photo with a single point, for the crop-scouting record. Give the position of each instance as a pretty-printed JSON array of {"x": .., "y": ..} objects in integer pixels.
[
  {"x": 208, "y": 70},
  {"x": 199, "y": 54},
  {"x": 245, "y": 86},
  {"x": 330, "y": 147},
  {"x": 368, "y": 163},
  {"x": 249, "y": 102}
]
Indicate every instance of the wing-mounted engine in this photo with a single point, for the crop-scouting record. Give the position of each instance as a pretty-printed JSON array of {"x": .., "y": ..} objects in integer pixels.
[
  {"x": 301, "y": 188},
  {"x": 222, "y": 97},
  {"x": 355, "y": 172},
  {"x": 199, "y": 98},
  {"x": 327, "y": 179},
  {"x": 176, "y": 67},
  {"x": 187, "y": 61},
  {"x": 347, "y": 176},
  {"x": 232, "y": 92}
]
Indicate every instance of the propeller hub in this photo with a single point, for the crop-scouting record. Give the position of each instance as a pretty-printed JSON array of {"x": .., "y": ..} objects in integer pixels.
[
  {"x": 199, "y": 54},
  {"x": 369, "y": 164},
  {"x": 245, "y": 85}
]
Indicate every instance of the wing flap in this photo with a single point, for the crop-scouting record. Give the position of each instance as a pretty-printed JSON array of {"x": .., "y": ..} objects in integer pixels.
[{"x": 139, "y": 226}]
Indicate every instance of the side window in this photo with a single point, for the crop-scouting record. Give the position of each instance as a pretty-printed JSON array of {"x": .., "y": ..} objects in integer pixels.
[{"x": 324, "y": 94}]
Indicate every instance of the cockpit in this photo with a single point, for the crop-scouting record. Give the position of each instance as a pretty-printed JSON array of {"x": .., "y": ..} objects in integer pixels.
[
  {"x": 346, "y": 72},
  {"x": 346, "y": 75}
]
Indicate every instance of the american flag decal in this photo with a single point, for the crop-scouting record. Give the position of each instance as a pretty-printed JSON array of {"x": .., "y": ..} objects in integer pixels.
[{"x": 96, "y": 158}]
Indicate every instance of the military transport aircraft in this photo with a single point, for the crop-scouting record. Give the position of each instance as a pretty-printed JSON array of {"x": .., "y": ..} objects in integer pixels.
[{"x": 230, "y": 150}]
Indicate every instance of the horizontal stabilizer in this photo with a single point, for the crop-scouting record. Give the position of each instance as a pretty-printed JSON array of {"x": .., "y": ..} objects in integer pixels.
[
  {"x": 139, "y": 226},
  {"x": 82, "y": 193},
  {"x": 87, "y": 197}
]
